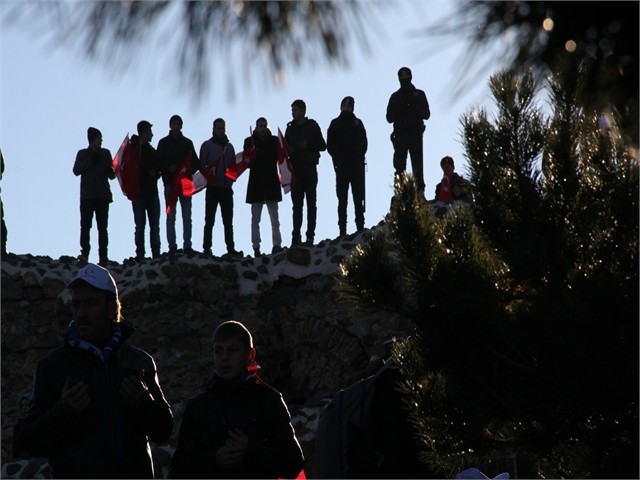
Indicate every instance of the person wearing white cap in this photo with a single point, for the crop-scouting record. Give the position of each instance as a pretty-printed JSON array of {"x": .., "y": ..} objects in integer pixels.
[{"x": 96, "y": 399}]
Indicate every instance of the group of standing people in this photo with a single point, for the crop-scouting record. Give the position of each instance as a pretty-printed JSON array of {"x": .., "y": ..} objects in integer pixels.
[{"x": 176, "y": 157}]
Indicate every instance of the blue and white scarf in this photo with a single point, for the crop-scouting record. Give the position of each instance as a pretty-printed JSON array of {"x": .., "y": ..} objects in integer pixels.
[{"x": 74, "y": 340}]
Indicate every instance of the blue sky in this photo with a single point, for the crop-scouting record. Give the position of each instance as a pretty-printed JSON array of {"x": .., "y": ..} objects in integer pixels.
[{"x": 51, "y": 94}]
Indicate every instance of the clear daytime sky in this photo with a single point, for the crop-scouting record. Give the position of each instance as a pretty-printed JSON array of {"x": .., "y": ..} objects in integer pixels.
[{"x": 52, "y": 94}]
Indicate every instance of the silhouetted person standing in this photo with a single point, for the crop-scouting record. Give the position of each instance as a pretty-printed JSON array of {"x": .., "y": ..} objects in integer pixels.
[
  {"x": 172, "y": 152},
  {"x": 347, "y": 145},
  {"x": 4, "y": 226},
  {"x": 147, "y": 204},
  {"x": 218, "y": 152},
  {"x": 263, "y": 187},
  {"x": 407, "y": 109},
  {"x": 305, "y": 142},
  {"x": 94, "y": 165}
]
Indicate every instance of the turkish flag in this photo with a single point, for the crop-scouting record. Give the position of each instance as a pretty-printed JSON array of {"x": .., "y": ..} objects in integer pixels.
[
  {"x": 126, "y": 164},
  {"x": 182, "y": 183},
  {"x": 285, "y": 169},
  {"x": 242, "y": 162}
]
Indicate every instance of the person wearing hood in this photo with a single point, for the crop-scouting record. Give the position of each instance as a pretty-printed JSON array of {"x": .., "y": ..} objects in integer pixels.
[
  {"x": 347, "y": 145},
  {"x": 96, "y": 399},
  {"x": 240, "y": 426},
  {"x": 407, "y": 109},
  {"x": 218, "y": 154}
]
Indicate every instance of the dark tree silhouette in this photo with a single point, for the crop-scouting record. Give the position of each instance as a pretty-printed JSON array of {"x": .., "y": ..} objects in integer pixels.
[
  {"x": 598, "y": 38},
  {"x": 525, "y": 305},
  {"x": 232, "y": 36}
]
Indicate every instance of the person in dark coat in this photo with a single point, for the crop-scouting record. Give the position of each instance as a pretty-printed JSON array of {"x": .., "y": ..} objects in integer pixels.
[
  {"x": 217, "y": 153},
  {"x": 173, "y": 150},
  {"x": 347, "y": 145},
  {"x": 94, "y": 165},
  {"x": 407, "y": 109},
  {"x": 96, "y": 400},
  {"x": 239, "y": 427},
  {"x": 147, "y": 203},
  {"x": 305, "y": 142},
  {"x": 263, "y": 187}
]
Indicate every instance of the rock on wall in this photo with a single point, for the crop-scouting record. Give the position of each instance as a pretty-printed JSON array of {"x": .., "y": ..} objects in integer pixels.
[{"x": 309, "y": 345}]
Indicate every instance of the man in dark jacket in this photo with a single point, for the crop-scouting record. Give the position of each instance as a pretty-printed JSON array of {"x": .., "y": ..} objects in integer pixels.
[
  {"x": 263, "y": 187},
  {"x": 218, "y": 154},
  {"x": 174, "y": 152},
  {"x": 147, "y": 203},
  {"x": 305, "y": 142},
  {"x": 239, "y": 427},
  {"x": 96, "y": 400},
  {"x": 407, "y": 109},
  {"x": 347, "y": 145},
  {"x": 95, "y": 168}
]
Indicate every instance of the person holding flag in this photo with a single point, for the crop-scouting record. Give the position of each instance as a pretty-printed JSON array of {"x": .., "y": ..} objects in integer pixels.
[
  {"x": 178, "y": 161},
  {"x": 305, "y": 142},
  {"x": 263, "y": 187},
  {"x": 146, "y": 203},
  {"x": 94, "y": 166},
  {"x": 217, "y": 154}
]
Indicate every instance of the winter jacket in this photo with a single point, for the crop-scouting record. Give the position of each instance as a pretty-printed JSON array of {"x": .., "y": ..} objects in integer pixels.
[
  {"x": 172, "y": 151},
  {"x": 460, "y": 188},
  {"x": 407, "y": 109},
  {"x": 346, "y": 139},
  {"x": 108, "y": 440},
  {"x": 251, "y": 406},
  {"x": 149, "y": 166},
  {"x": 211, "y": 151},
  {"x": 264, "y": 183},
  {"x": 307, "y": 131},
  {"x": 95, "y": 169}
]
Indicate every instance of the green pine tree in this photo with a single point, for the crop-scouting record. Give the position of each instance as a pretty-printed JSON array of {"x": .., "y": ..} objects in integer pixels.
[{"x": 525, "y": 305}]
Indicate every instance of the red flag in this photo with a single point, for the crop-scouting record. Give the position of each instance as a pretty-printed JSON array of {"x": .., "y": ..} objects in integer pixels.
[
  {"x": 181, "y": 183},
  {"x": 126, "y": 164},
  {"x": 285, "y": 169},
  {"x": 446, "y": 194},
  {"x": 241, "y": 163}
]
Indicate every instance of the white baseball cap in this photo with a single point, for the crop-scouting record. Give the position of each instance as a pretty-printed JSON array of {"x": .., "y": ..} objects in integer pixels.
[{"x": 97, "y": 277}]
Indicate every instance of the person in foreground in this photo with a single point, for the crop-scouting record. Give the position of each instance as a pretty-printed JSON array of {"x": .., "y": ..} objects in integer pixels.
[
  {"x": 96, "y": 399},
  {"x": 240, "y": 426}
]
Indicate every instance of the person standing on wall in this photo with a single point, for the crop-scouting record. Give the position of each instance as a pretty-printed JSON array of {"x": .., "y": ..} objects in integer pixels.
[
  {"x": 94, "y": 166},
  {"x": 347, "y": 145},
  {"x": 407, "y": 109}
]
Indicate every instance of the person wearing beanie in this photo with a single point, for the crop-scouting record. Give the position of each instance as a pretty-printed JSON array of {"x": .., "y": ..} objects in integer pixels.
[
  {"x": 178, "y": 159},
  {"x": 97, "y": 402},
  {"x": 94, "y": 166},
  {"x": 305, "y": 142},
  {"x": 347, "y": 145},
  {"x": 407, "y": 109}
]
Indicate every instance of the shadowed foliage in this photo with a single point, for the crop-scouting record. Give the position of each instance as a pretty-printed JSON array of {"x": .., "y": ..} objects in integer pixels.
[{"x": 525, "y": 305}]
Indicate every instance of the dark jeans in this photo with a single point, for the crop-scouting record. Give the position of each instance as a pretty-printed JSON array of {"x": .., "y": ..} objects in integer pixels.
[
  {"x": 89, "y": 206},
  {"x": 411, "y": 143},
  {"x": 223, "y": 197},
  {"x": 147, "y": 205},
  {"x": 4, "y": 231},
  {"x": 306, "y": 186},
  {"x": 350, "y": 172}
]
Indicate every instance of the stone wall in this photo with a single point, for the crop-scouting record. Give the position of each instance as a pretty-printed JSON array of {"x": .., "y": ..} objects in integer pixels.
[{"x": 309, "y": 345}]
